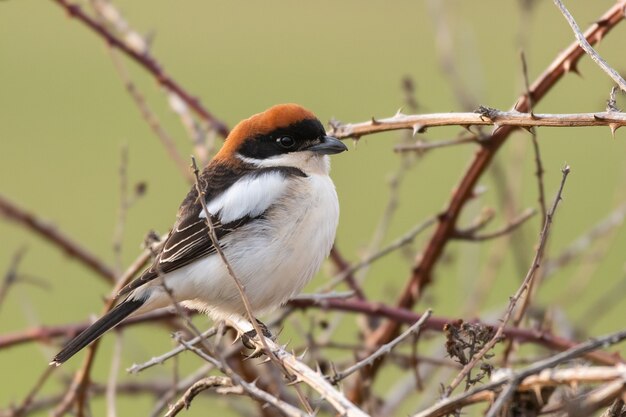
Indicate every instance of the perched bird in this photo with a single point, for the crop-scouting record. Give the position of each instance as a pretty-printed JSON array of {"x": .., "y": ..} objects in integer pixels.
[{"x": 275, "y": 213}]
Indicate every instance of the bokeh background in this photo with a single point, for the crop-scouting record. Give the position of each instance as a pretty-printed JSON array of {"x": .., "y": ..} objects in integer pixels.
[{"x": 65, "y": 116}]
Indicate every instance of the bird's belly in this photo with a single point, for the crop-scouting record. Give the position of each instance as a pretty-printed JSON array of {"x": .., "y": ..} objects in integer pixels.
[{"x": 273, "y": 257}]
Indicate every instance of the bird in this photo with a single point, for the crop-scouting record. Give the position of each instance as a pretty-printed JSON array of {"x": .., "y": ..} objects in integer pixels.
[{"x": 274, "y": 210}]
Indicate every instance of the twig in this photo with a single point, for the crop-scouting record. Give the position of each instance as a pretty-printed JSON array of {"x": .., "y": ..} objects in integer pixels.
[
  {"x": 122, "y": 211},
  {"x": 346, "y": 272},
  {"x": 448, "y": 405},
  {"x": 522, "y": 289},
  {"x": 403, "y": 316},
  {"x": 421, "y": 146},
  {"x": 159, "y": 360},
  {"x": 225, "y": 383},
  {"x": 72, "y": 248},
  {"x": 238, "y": 284},
  {"x": 145, "y": 61},
  {"x": 111, "y": 390},
  {"x": 166, "y": 398},
  {"x": 426, "y": 260},
  {"x": 305, "y": 374},
  {"x": 513, "y": 224},
  {"x": 538, "y": 164},
  {"x": 30, "y": 397},
  {"x": 10, "y": 277},
  {"x": 251, "y": 389},
  {"x": 484, "y": 116},
  {"x": 383, "y": 350},
  {"x": 220, "y": 252},
  {"x": 445, "y": 55},
  {"x": 78, "y": 390},
  {"x": 583, "y": 242},
  {"x": 402, "y": 241},
  {"x": 582, "y": 41},
  {"x": 44, "y": 334},
  {"x": 151, "y": 118}
]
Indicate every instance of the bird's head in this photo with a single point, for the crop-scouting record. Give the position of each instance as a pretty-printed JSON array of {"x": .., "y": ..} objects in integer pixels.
[{"x": 283, "y": 135}]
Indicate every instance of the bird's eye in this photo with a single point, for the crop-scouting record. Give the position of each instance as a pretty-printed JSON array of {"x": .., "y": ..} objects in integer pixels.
[{"x": 286, "y": 142}]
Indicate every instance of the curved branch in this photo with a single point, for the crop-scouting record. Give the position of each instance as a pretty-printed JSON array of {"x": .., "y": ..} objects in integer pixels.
[
  {"x": 148, "y": 63},
  {"x": 426, "y": 261}
]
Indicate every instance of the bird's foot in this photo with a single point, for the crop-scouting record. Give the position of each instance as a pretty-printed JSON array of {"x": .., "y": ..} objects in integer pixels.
[{"x": 247, "y": 337}]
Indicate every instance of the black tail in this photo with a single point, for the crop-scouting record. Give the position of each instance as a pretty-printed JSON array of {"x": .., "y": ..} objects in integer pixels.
[{"x": 91, "y": 333}]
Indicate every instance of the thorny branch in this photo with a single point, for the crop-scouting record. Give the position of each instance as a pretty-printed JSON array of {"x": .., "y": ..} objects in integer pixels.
[
  {"x": 448, "y": 405},
  {"x": 147, "y": 62},
  {"x": 522, "y": 289},
  {"x": 383, "y": 350},
  {"x": 425, "y": 262},
  {"x": 589, "y": 49},
  {"x": 484, "y": 116},
  {"x": 58, "y": 239},
  {"x": 505, "y": 122}
]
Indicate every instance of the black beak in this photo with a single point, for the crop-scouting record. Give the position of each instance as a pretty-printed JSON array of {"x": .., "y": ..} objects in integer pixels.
[{"x": 328, "y": 146}]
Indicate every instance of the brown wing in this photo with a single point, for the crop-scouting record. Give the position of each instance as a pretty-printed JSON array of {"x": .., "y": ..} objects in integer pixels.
[
  {"x": 189, "y": 239},
  {"x": 187, "y": 242}
]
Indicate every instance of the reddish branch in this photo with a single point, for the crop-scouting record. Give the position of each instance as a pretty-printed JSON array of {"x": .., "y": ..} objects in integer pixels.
[
  {"x": 425, "y": 262},
  {"x": 148, "y": 63},
  {"x": 57, "y": 238},
  {"x": 401, "y": 316}
]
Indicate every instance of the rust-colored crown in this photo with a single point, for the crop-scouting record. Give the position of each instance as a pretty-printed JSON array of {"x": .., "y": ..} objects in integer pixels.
[{"x": 278, "y": 116}]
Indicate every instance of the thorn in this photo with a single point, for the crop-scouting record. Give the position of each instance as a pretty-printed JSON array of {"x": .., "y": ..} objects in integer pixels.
[
  {"x": 529, "y": 129},
  {"x": 532, "y": 115},
  {"x": 599, "y": 36},
  {"x": 399, "y": 113},
  {"x": 614, "y": 127},
  {"x": 417, "y": 128},
  {"x": 571, "y": 66},
  {"x": 257, "y": 352},
  {"x": 303, "y": 354},
  {"x": 266, "y": 360},
  {"x": 602, "y": 22},
  {"x": 294, "y": 382},
  {"x": 318, "y": 369},
  {"x": 374, "y": 121}
]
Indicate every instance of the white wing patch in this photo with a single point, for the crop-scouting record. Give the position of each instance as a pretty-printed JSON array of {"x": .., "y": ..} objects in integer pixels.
[{"x": 250, "y": 196}]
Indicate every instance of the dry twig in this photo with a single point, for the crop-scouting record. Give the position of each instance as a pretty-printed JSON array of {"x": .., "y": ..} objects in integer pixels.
[
  {"x": 589, "y": 49},
  {"x": 145, "y": 61},
  {"x": 449, "y": 405},
  {"x": 522, "y": 289},
  {"x": 383, "y": 350}
]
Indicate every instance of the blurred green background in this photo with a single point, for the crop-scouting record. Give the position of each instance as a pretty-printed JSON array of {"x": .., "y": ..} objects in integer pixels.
[{"x": 65, "y": 116}]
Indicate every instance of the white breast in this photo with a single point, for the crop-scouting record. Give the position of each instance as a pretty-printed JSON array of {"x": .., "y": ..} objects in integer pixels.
[{"x": 274, "y": 257}]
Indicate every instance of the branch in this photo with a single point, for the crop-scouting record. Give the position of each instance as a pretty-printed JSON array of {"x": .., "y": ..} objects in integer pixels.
[
  {"x": 484, "y": 116},
  {"x": 147, "y": 62},
  {"x": 404, "y": 316},
  {"x": 305, "y": 374},
  {"x": 509, "y": 228},
  {"x": 222, "y": 384},
  {"x": 449, "y": 405},
  {"x": 73, "y": 249},
  {"x": 589, "y": 49},
  {"x": 522, "y": 289},
  {"x": 383, "y": 350},
  {"x": 426, "y": 261}
]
